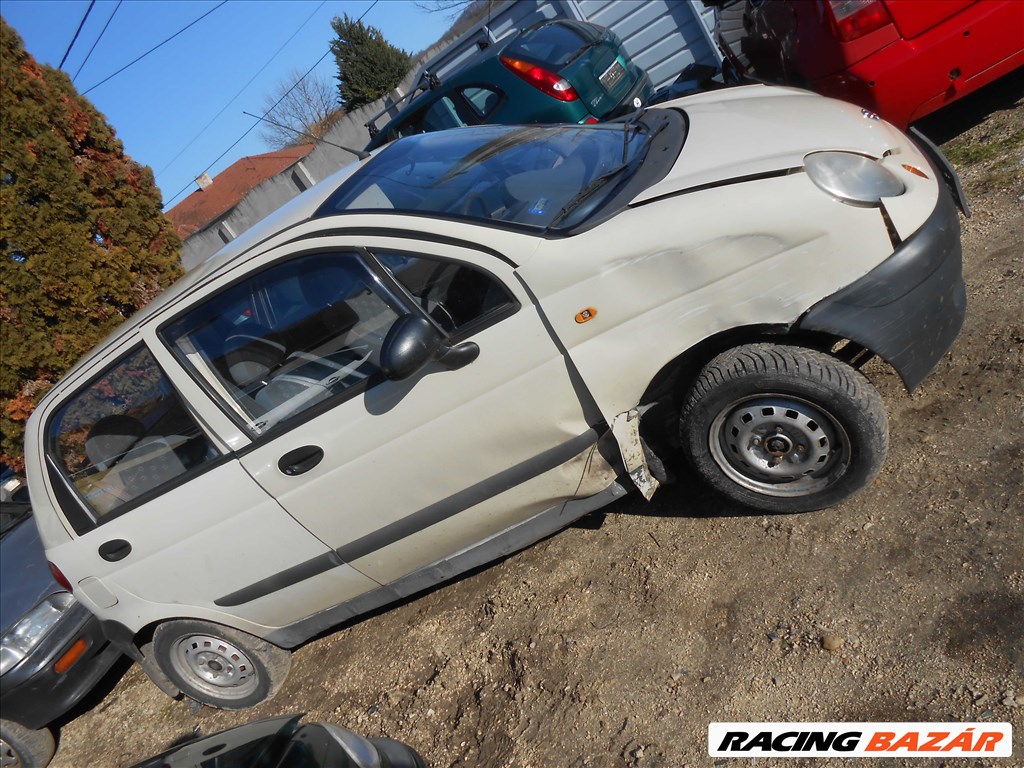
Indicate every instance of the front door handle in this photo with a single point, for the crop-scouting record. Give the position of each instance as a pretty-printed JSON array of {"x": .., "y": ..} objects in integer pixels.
[
  {"x": 301, "y": 460},
  {"x": 114, "y": 550}
]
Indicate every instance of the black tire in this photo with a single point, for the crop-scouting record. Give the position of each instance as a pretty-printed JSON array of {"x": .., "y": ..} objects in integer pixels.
[
  {"x": 21, "y": 747},
  {"x": 217, "y": 665},
  {"x": 784, "y": 429}
]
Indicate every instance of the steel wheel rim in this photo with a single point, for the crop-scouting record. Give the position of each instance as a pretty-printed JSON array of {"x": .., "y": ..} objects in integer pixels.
[
  {"x": 779, "y": 445},
  {"x": 9, "y": 757},
  {"x": 215, "y": 666}
]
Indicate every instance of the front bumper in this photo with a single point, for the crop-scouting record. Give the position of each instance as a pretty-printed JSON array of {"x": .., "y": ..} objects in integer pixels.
[
  {"x": 910, "y": 308},
  {"x": 34, "y": 694}
]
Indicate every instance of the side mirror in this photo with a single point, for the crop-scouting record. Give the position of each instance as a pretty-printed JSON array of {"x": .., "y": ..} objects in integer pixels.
[{"x": 412, "y": 342}]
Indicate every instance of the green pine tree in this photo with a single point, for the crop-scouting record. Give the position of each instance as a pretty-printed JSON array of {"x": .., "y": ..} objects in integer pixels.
[
  {"x": 83, "y": 242},
  {"x": 368, "y": 65}
]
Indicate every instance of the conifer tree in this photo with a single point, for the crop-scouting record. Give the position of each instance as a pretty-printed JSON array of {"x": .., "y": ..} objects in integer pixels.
[
  {"x": 83, "y": 242},
  {"x": 368, "y": 65}
]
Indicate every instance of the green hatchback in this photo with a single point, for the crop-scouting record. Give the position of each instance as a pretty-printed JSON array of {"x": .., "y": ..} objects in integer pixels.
[{"x": 557, "y": 71}]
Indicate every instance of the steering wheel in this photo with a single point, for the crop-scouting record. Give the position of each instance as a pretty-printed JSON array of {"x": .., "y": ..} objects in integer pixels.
[{"x": 474, "y": 205}]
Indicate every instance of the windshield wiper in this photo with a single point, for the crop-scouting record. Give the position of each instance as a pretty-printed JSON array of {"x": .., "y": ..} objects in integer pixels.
[{"x": 587, "y": 191}]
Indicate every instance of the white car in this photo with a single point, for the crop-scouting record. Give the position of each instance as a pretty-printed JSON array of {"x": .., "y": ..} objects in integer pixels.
[{"x": 457, "y": 346}]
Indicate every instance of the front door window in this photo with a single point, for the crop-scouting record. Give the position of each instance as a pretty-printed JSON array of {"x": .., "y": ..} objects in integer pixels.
[{"x": 289, "y": 338}]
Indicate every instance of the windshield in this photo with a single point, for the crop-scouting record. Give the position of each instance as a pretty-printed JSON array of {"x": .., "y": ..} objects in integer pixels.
[{"x": 532, "y": 176}]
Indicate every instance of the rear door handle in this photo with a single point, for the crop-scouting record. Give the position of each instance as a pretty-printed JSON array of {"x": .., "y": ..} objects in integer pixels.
[
  {"x": 114, "y": 550},
  {"x": 301, "y": 460}
]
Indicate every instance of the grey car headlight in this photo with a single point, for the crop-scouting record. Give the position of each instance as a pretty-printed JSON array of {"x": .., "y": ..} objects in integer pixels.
[
  {"x": 23, "y": 637},
  {"x": 852, "y": 178}
]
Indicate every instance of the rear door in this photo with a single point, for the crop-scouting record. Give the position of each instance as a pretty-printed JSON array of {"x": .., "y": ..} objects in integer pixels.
[{"x": 166, "y": 519}]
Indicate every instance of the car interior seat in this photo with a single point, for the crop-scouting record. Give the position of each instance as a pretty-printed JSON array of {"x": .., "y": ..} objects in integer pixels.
[
  {"x": 251, "y": 353},
  {"x": 111, "y": 438}
]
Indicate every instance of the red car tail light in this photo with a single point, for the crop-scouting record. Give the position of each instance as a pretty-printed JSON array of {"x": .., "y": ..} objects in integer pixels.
[
  {"x": 60, "y": 578},
  {"x": 541, "y": 79},
  {"x": 855, "y": 18}
]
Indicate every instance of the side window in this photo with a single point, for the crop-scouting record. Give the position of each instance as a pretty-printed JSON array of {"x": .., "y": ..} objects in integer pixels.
[
  {"x": 316, "y": 333},
  {"x": 441, "y": 115},
  {"x": 459, "y": 297},
  {"x": 126, "y": 434},
  {"x": 482, "y": 100}
]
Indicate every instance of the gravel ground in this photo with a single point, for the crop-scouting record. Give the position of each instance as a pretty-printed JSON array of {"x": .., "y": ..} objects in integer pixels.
[{"x": 617, "y": 641}]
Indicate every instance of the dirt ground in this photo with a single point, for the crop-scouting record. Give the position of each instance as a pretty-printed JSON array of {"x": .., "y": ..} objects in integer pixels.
[{"x": 616, "y": 642}]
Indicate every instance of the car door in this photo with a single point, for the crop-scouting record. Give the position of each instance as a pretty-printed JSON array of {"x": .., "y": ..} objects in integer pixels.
[
  {"x": 396, "y": 475},
  {"x": 166, "y": 519}
]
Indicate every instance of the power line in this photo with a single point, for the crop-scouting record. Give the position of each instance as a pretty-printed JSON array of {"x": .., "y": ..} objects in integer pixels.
[
  {"x": 241, "y": 90},
  {"x": 97, "y": 41},
  {"x": 77, "y": 31},
  {"x": 267, "y": 112},
  {"x": 159, "y": 45}
]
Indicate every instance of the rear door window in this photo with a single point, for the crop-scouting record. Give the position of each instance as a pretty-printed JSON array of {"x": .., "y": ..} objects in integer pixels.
[
  {"x": 127, "y": 435},
  {"x": 554, "y": 44}
]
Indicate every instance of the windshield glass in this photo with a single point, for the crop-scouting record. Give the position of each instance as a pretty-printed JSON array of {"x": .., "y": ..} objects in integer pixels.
[{"x": 534, "y": 176}]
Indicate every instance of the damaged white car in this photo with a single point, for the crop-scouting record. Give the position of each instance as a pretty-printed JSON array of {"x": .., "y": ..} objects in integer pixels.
[{"x": 463, "y": 343}]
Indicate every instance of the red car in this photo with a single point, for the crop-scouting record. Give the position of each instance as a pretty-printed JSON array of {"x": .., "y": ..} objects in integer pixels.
[{"x": 903, "y": 59}]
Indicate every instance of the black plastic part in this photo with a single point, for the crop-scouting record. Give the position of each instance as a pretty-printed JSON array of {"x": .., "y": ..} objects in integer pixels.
[
  {"x": 411, "y": 343},
  {"x": 34, "y": 695},
  {"x": 300, "y": 460},
  {"x": 397, "y": 754},
  {"x": 114, "y": 550},
  {"x": 460, "y": 355},
  {"x": 908, "y": 310},
  {"x": 944, "y": 168}
]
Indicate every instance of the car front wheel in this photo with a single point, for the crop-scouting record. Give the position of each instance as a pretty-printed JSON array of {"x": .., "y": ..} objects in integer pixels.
[
  {"x": 21, "y": 747},
  {"x": 784, "y": 429},
  {"x": 219, "y": 666}
]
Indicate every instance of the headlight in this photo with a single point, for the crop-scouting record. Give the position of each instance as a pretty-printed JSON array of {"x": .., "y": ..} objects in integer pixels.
[
  {"x": 852, "y": 178},
  {"x": 24, "y": 636}
]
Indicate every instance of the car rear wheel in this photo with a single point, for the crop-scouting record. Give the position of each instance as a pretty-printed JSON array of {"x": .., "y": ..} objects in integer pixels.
[
  {"x": 219, "y": 666},
  {"x": 21, "y": 747},
  {"x": 784, "y": 429}
]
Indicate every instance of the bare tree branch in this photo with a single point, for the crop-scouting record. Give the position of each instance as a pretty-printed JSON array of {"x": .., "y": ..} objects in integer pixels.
[{"x": 311, "y": 107}]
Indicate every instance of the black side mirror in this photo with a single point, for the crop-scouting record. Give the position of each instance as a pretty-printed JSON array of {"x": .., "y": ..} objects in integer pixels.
[{"x": 412, "y": 342}]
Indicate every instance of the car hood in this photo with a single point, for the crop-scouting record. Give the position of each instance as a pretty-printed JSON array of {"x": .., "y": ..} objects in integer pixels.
[
  {"x": 740, "y": 132},
  {"x": 25, "y": 577}
]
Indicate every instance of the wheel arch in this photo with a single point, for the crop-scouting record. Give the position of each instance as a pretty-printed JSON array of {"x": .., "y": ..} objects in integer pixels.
[{"x": 664, "y": 394}]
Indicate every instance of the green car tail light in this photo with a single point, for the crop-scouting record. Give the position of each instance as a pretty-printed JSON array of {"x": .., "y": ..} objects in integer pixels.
[{"x": 542, "y": 79}]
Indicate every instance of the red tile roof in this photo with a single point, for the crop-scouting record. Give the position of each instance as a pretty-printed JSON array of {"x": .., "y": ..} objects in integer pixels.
[{"x": 229, "y": 187}]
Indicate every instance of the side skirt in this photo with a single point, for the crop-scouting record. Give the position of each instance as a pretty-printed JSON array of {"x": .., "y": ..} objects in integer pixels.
[{"x": 505, "y": 543}]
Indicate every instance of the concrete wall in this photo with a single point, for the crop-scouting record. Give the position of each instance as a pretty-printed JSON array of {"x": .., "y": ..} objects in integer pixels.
[{"x": 662, "y": 36}]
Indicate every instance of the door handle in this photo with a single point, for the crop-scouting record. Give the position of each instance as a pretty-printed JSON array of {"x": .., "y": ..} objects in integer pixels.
[
  {"x": 114, "y": 550},
  {"x": 301, "y": 460}
]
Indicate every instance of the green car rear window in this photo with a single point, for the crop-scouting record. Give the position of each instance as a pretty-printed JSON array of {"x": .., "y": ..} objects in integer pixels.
[{"x": 554, "y": 44}]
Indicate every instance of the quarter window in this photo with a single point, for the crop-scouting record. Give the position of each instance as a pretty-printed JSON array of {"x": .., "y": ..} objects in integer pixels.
[
  {"x": 127, "y": 434},
  {"x": 483, "y": 100},
  {"x": 288, "y": 338},
  {"x": 460, "y": 298}
]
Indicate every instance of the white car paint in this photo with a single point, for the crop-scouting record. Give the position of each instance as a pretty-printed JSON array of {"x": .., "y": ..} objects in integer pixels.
[{"x": 712, "y": 246}]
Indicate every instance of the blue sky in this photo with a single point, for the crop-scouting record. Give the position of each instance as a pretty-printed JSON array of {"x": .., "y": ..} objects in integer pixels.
[{"x": 160, "y": 105}]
